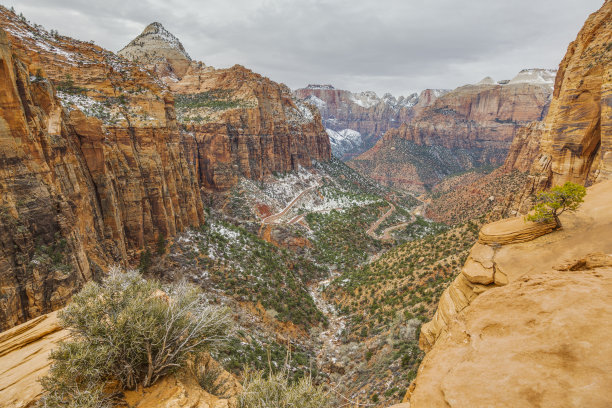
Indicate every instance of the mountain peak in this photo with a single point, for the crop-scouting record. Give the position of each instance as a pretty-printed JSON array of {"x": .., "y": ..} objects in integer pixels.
[{"x": 159, "y": 48}]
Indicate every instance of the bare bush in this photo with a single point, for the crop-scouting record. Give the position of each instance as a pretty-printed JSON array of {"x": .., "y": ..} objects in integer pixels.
[{"x": 130, "y": 331}]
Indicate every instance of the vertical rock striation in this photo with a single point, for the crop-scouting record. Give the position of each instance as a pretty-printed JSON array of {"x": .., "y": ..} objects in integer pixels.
[{"x": 574, "y": 142}]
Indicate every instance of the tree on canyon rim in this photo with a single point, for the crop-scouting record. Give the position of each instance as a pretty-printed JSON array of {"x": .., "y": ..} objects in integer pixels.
[{"x": 551, "y": 204}]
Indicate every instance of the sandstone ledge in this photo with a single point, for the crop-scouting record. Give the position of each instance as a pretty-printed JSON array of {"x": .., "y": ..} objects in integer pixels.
[
  {"x": 24, "y": 352},
  {"x": 504, "y": 261},
  {"x": 513, "y": 230}
]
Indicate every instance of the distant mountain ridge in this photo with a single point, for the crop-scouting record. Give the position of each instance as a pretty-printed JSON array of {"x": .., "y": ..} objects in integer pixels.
[
  {"x": 471, "y": 126},
  {"x": 362, "y": 112}
]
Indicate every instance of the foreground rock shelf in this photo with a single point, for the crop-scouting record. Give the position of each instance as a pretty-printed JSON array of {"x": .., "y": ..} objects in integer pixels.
[{"x": 528, "y": 321}]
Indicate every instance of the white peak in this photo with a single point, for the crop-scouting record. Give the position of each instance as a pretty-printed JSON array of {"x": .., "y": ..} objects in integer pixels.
[
  {"x": 486, "y": 81},
  {"x": 535, "y": 76},
  {"x": 365, "y": 99},
  {"x": 154, "y": 39}
]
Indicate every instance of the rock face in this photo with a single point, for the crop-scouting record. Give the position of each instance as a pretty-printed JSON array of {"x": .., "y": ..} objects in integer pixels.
[
  {"x": 517, "y": 319},
  {"x": 574, "y": 143},
  {"x": 101, "y": 169},
  {"x": 364, "y": 113},
  {"x": 89, "y": 174},
  {"x": 244, "y": 124},
  {"x": 31, "y": 343},
  {"x": 474, "y": 123}
]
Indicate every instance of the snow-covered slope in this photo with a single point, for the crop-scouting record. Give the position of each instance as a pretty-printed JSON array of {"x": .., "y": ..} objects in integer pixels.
[
  {"x": 535, "y": 76},
  {"x": 344, "y": 141}
]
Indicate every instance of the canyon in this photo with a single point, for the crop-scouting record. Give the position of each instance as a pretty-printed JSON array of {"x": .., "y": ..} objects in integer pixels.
[
  {"x": 355, "y": 121},
  {"x": 469, "y": 127},
  {"x": 98, "y": 167},
  {"x": 407, "y": 274}
]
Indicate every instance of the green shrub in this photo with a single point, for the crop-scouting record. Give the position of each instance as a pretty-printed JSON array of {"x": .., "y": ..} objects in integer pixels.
[
  {"x": 129, "y": 331},
  {"x": 275, "y": 391},
  {"x": 551, "y": 204}
]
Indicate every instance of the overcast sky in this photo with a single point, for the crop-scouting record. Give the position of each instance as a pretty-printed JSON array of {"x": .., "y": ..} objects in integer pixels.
[{"x": 396, "y": 46}]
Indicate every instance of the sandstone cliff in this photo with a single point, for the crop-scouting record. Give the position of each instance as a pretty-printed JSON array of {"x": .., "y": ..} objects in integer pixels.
[
  {"x": 527, "y": 313},
  {"x": 244, "y": 124},
  {"x": 473, "y": 125},
  {"x": 363, "y": 112},
  {"x": 96, "y": 167},
  {"x": 89, "y": 173},
  {"x": 574, "y": 142}
]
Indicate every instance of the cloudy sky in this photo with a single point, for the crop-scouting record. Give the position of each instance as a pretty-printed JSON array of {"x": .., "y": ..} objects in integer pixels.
[{"x": 396, "y": 46}]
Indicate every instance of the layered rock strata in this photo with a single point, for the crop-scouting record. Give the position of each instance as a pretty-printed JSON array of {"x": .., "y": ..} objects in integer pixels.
[
  {"x": 96, "y": 166},
  {"x": 364, "y": 113},
  {"x": 244, "y": 124},
  {"x": 475, "y": 124}
]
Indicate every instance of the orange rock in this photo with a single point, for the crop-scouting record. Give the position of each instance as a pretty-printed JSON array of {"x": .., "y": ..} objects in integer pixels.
[
  {"x": 575, "y": 141},
  {"x": 476, "y": 122},
  {"x": 537, "y": 323},
  {"x": 24, "y": 353}
]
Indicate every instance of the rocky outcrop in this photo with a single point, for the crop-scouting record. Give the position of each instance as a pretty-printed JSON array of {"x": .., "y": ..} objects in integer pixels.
[
  {"x": 244, "y": 124},
  {"x": 516, "y": 318},
  {"x": 364, "y": 113},
  {"x": 505, "y": 250},
  {"x": 540, "y": 341},
  {"x": 575, "y": 140},
  {"x": 474, "y": 123},
  {"x": 90, "y": 173},
  {"x": 24, "y": 358},
  {"x": 513, "y": 230}
]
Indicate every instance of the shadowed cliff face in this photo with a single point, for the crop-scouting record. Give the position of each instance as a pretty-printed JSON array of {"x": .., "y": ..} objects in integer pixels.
[
  {"x": 96, "y": 166},
  {"x": 79, "y": 191}
]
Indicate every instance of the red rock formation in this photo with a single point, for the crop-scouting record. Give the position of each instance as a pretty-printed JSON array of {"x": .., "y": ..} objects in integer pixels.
[
  {"x": 95, "y": 172},
  {"x": 364, "y": 112},
  {"x": 474, "y": 125},
  {"x": 78, "y": 192},
  {"x": 244, "y": 124}
]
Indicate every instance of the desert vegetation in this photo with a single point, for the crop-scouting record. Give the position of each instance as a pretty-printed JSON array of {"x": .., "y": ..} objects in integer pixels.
[
  {"x": 274, "y": 390},
  {"x": 127, "y": 332},
  {"x": 559, "y": 199}
]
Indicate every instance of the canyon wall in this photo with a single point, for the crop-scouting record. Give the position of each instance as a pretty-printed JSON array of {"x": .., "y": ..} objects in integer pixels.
[
  {"x": 574, "y": 142},
  {"x": 471, "y": 126},
  {"x": 96, "y": 167},
  {"x": 244, "y": 124},
  {"x": 364, "y": 113},
  {"x": 516, "y": 320},
  {"x": 90, "y": 173}
]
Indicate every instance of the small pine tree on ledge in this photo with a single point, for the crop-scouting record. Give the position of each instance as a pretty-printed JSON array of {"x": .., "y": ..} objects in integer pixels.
[{"x": 551, "y": 204}]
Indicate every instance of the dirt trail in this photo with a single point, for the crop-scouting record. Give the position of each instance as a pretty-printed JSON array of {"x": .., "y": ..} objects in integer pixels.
[
  {"x": 271, "y": 219},
  {"x": 379, "y": 221}
]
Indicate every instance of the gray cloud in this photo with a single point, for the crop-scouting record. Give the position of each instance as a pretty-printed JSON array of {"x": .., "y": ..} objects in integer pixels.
[{"x": 393, "y": 46}]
